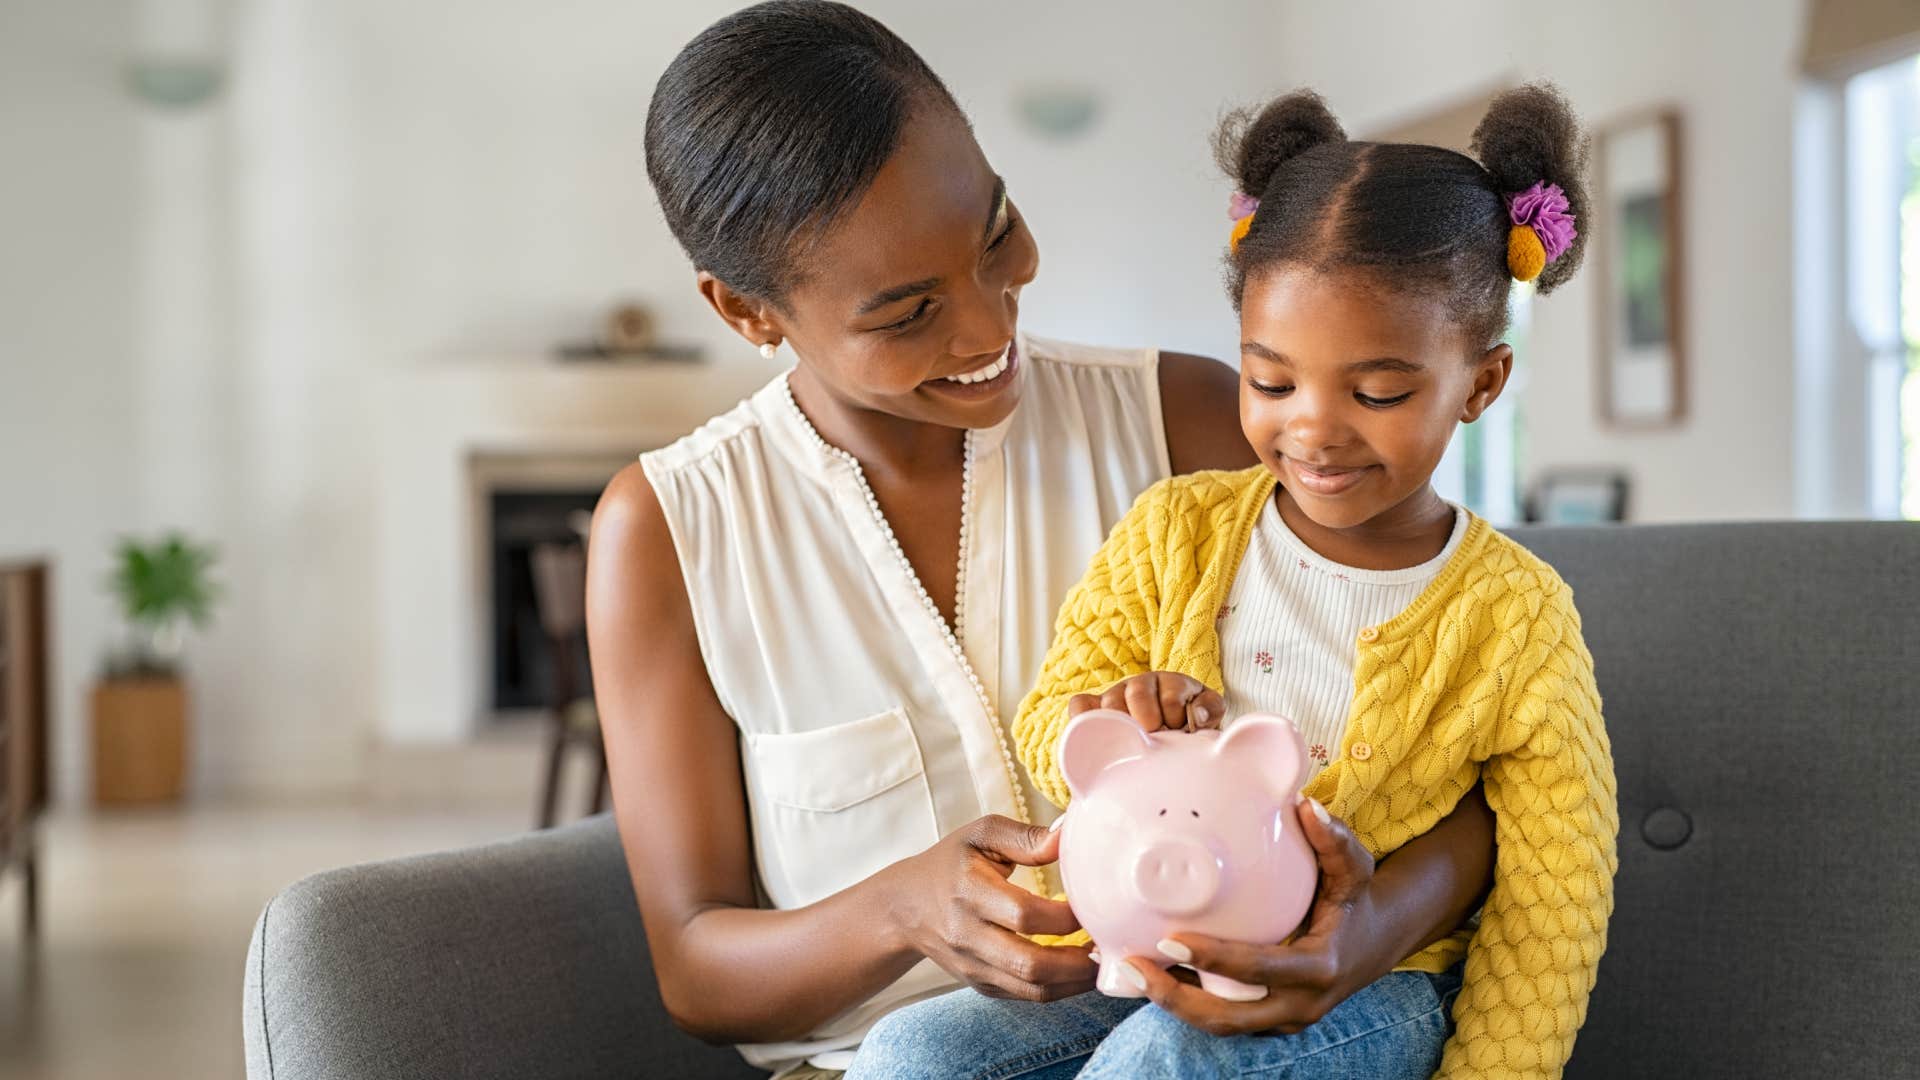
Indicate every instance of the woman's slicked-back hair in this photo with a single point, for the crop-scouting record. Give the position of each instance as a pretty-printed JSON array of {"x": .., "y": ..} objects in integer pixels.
[
  {"x": 771, "y": 123},
  {"x": 1417, "y": 218}
]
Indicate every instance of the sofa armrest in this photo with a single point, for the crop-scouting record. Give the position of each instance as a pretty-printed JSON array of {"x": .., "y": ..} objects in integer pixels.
[{"x": 515, "y": 959}]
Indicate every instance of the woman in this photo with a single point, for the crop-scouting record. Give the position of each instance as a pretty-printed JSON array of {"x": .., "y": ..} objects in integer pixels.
[{"x": 809, "y": 616}]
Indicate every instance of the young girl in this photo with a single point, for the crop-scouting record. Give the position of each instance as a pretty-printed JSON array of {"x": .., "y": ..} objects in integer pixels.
[{"x": 1418, "y": 650}]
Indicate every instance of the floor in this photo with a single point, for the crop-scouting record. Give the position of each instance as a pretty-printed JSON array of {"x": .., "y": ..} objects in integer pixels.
[{"x": 145, "y": 918}]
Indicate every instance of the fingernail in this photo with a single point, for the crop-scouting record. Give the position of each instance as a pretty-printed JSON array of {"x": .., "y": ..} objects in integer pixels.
[
  {"x": 1134, "y": 978},
  {"x": 1093, "y": 955},
  {"x": 1320, "y": 812},
  {"x": 1057, "y": 822},
  {"x": 1174, "y": 951}
]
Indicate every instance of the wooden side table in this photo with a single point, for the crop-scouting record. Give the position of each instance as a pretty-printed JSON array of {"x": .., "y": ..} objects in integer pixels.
[{"x": 25, "y": 644}]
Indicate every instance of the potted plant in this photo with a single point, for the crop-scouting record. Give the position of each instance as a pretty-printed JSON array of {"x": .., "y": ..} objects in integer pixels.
[{"x": 140, "y": 707}]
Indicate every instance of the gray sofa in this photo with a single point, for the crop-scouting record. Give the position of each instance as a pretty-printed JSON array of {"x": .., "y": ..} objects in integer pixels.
[{"x": 1762, "y": 687}]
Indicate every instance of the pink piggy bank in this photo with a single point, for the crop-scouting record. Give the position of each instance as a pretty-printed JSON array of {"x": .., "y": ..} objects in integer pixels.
[{"x": 1183, "y": 831}]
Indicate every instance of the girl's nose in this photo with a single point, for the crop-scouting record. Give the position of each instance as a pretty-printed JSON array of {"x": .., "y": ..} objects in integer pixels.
[{"x": 1314, "y": 424}]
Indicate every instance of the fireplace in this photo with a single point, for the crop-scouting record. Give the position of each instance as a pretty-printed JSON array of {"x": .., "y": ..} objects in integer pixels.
[
  {"x": 523, "y": 657},
  {"x": 524, "y": 503}
]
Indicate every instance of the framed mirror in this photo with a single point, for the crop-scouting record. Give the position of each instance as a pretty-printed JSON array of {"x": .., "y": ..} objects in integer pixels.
[{"x": 1642, "y": 316}]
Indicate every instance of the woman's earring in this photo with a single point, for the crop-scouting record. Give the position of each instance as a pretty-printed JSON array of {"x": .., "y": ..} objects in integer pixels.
[{"x": 768, "y": 348}]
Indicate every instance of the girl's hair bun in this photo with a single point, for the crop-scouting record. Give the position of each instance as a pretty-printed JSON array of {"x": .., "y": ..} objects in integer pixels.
[
  {"x": 1250, "y": 145},
  {"x": 1531, "y": 136}
]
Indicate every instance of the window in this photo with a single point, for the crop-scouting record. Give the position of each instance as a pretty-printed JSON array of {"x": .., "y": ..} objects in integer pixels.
[
  {"x": 1883, "y": 274},
  {"x": 1857, "y": 266}
]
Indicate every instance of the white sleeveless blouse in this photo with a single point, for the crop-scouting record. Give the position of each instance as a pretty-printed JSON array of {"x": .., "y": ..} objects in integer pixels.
[{"x": 869, "y": 728}]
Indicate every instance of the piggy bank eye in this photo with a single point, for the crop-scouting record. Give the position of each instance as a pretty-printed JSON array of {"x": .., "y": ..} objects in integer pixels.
[
  {"x": 1195, "y": 813},
  {"x": 1163, "y": 811}
]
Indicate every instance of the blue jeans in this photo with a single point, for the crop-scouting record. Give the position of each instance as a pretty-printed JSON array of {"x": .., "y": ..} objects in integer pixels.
[{"x": 1393, "y": 1028}]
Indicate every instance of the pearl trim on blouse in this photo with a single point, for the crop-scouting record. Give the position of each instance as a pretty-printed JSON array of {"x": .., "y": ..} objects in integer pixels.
[
  {"x": 966, "y": 536},
  {"x": 952, "y": 631}
]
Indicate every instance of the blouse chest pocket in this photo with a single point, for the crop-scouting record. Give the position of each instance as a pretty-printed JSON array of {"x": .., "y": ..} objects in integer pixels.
[{"x": 833, "y": 805}]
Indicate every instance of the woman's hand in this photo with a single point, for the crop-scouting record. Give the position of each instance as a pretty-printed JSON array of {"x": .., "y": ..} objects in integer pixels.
[
  {"x": 1156, "y": 700},
  {"x": 954, "y": 905},
  {"x": 1337, "y": 953}
]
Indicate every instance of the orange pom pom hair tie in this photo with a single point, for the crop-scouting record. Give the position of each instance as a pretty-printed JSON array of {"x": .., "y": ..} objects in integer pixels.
[
  {"x": 1542, "y": 229},
  {"x": 1240, "y": 210}
]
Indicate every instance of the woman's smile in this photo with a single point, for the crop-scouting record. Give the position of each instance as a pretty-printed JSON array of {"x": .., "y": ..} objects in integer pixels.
[{"x": 986, "y": 381}]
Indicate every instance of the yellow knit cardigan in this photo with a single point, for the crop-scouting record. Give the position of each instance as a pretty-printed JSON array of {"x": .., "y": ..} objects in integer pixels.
[{"x": 1484, "y": 677}]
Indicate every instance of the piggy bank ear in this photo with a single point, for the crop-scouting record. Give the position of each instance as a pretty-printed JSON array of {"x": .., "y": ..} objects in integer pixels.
[
  {"x": 1095, "y": 740},
  {"x": 1273, "y": 745}
]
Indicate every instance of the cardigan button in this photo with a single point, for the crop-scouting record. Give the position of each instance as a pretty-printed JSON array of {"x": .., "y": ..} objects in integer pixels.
[
  {"x": 1370, "y": 635},
  {"x": 1361, "y": 751}
]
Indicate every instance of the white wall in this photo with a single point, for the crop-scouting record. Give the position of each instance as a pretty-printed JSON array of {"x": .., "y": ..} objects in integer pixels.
[
  {"x": 69, "y": 205},
  {"x": 117, "y": 406},
  {"x": 495, "y": 190},
  {"x": 1731, "y": 69},
  {"x": 189, "y": 428}
]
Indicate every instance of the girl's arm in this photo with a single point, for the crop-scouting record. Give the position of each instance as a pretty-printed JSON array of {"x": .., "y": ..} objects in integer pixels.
[
  {"x": 1549, "y": 779},
  {"x": 728, "y": 970}
]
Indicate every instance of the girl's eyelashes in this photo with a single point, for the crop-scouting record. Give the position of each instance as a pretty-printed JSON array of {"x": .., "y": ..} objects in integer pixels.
[
  {"x": 1381, "y": 403},
  {"x": 1281, "y": 390}
]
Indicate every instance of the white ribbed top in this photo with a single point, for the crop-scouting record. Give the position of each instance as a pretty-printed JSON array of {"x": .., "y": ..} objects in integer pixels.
[{"x": 1288, "y": 630}]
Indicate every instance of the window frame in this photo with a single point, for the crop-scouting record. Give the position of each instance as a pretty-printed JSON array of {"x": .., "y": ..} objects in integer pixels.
[{"x": 1848, "y": 376}]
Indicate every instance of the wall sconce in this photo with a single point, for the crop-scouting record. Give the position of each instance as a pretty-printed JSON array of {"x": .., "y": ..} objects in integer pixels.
[
  {"x": 1058, "y": 112},
  {"x": 174, "y": 82}
]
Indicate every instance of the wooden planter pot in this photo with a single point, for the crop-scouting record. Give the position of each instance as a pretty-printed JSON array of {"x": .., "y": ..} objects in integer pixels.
[{"x": 139, "y": 740}]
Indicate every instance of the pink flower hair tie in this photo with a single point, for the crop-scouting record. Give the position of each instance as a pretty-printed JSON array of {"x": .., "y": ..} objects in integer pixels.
[
  {"x": 1240, "y": 210},
  {"x": 1542, "y": 229}
]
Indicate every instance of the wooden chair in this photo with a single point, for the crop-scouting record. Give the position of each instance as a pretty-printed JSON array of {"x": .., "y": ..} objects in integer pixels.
[
  {"x": 560, "y": 594},
  {"x": 24, "y": 645}
]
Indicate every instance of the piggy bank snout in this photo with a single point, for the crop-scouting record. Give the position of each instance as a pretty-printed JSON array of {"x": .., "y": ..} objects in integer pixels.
[{"x": 1176, "y": 875}]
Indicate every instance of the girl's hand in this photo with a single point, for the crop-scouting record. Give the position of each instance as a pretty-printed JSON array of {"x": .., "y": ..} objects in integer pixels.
[
  {"x": 1156, "y": 700},
  {"x": 953, "y": 904},
  {"x": 1336, "y": 954}
]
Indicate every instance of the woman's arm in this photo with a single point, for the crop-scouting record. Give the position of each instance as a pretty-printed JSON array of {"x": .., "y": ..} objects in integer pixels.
[
  {"x": 1200, "y": 408},
  {"x": 728, "y": 970}
]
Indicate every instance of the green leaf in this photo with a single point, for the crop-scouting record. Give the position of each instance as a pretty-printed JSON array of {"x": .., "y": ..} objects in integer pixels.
[{"x": 165, "y": 580}]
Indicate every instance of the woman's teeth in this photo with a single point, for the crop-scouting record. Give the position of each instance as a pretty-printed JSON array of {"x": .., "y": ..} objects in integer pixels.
[{"x": 986, "y": 374}]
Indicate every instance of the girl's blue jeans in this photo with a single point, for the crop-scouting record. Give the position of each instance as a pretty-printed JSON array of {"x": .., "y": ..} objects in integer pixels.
[{"x": 1393, "y": 1028}]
